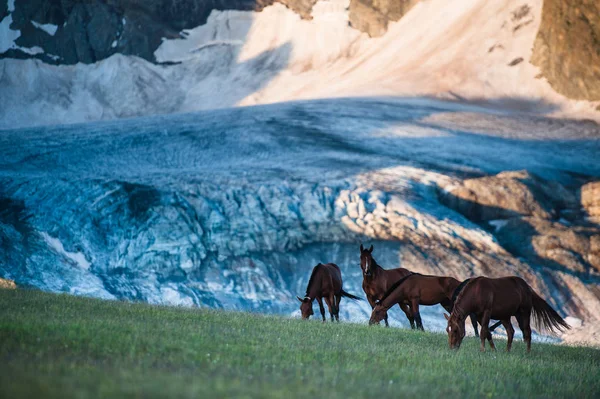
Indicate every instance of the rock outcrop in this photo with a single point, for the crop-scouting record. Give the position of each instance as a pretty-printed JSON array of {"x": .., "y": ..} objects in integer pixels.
[
  {"x": 534, "y": 219},
  {"x": 590, "y": 199},
  {"x": 7, "y": 284},
  {"x": 373, "y": 16},
  {"x": 508, "y": 195},
  {"x": 567, "y": 47}
]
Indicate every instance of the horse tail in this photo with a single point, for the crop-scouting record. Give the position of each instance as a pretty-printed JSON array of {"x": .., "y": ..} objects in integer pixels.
[
  {"x": 347, "y": 295},
  {"x": 546, "y": 317}
]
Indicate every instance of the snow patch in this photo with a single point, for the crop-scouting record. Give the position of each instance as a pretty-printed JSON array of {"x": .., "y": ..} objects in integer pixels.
[
  {"x": 31, "y": 50},
  {"x": 7, "y": 35},
  {"x": 48, "y": 28},
  {"x": 498, "y": 224},
  {"x": 113, "y": 44},
  {"x": 77, "y": 257},
  {"x": 11, "y": 5}
]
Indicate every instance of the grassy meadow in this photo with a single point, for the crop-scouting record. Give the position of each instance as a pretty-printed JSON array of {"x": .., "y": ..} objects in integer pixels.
[{"x": 70, "y": 347}]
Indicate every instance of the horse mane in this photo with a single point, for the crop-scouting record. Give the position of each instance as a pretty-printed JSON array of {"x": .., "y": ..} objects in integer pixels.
[
  {"x": 394, "y": 286},
  {"x": 458, "y": 290},
  {"x": 466, "y": 283},
  {"x": 312, "y": 277}
]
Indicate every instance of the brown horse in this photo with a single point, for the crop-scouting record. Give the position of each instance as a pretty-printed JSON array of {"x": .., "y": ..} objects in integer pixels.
[
  {"x": 417, "y": 289},
  {"x": 377, "y": 280},
  {"x": 500, "y": 298},
  {"x": 325, "y": 283}
]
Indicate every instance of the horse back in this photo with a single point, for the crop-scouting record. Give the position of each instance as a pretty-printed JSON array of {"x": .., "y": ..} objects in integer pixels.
[
  {"x": 504, "y": 295},
  {"x": 332, "y": 278}
]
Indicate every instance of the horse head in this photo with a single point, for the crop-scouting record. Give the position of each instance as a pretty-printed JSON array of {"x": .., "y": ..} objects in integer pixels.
[
  {"x": 367, "y": 263},
  {"x": 305, "y": 307},
  {"x": 377, "y": 314},
  {"x": 455, "y": 330}
]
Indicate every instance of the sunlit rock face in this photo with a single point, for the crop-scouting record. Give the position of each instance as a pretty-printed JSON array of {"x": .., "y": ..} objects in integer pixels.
[
  {"x": 373, "y": 17},
  {"x": 567, "y": 47}
]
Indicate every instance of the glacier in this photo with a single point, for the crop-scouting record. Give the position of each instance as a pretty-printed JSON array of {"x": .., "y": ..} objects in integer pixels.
[{"x": 232, "y": 208}]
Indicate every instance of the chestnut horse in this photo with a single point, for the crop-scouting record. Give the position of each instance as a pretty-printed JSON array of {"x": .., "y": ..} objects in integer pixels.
[
  {"x": 501, "y": 298},
  {"x": 417, "y": 289},
  {"x": 377, "y": 280},
  {"x": 325, "y": 283}
]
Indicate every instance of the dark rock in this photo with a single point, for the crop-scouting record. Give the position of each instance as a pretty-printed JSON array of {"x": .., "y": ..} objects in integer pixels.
[
  {"x": 516, "y": 61},
  {"x": 94, "y": 29},
  {"x": 102, "y": 30},
  {"x": 567, "y": 47},
  {"x": 3, "y": 9}
]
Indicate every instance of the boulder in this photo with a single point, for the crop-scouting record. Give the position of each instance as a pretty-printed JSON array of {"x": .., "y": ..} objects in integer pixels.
[
  {"x": 553, "y": 244},
  {"x": 507, "y": 195},
  {"x": 590, "y": 198},
  {"x": 7, "y": 284}
]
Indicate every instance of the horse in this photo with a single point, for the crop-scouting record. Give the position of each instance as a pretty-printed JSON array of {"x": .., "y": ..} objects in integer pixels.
[
  {"x": 325, "y": 282},
  {"x": 501, "y": 298},
  {"x": 416, "y": 289},
  {"x": 377, "y": 280}
]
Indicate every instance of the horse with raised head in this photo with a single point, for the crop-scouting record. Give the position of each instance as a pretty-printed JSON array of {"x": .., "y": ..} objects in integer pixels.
[
  {"x": 500, "y": 299},
  {"x": 377, "y": 280},
  {"x": 325, "y": 283},
  {"x": 416, "y": 289}
]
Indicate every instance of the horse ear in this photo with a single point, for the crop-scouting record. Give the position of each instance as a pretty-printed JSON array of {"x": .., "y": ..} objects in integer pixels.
[
  {"x": 371, "y": 249},
  {"x": 300, "y": 299},
  {"x": 361, "y": 248},
  {"x": 447, "y": 316}
]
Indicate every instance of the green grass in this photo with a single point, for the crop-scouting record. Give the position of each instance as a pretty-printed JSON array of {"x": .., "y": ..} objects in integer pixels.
[{"x": 65, "y": 346}]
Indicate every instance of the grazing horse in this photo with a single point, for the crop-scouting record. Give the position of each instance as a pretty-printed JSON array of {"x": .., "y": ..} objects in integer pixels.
[
  {"x": 325, "y": 282},
  {"x": 417, "y": 289},
  {"x": 501, "y": 298},
  {"x": 377, "y": 280}
]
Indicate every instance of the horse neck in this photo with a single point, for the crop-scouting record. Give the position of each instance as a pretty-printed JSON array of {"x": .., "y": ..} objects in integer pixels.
[
  {"x": 464, "y": 304},
  {"x": 392, "y": 299},
  {"x": 375, "y": 269},
  {"x": 315, "y": 289}
]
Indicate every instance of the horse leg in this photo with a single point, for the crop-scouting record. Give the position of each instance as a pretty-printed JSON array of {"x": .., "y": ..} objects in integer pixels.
[
  {"x": 474, "y": 322},
  {"x": 416, "y": 314},
  {"x": 524, "y": 320},
  {"x": 406, "y": 309},
  {"x": 338, "y": 298},
  {"x": 320, "y": 300},
  {"x": 330, "y": 301},
  {"x": 485, "y": 331},
  {"x": 510, "y": 333}
]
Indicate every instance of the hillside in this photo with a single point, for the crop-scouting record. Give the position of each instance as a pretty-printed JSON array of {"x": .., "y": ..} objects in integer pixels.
[{"x": 63, "y": 346}]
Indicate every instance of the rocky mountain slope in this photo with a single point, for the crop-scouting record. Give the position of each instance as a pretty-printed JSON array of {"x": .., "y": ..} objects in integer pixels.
[
  {"x": 566, "y": 48},
  {"x": 243, "y": 57}
]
